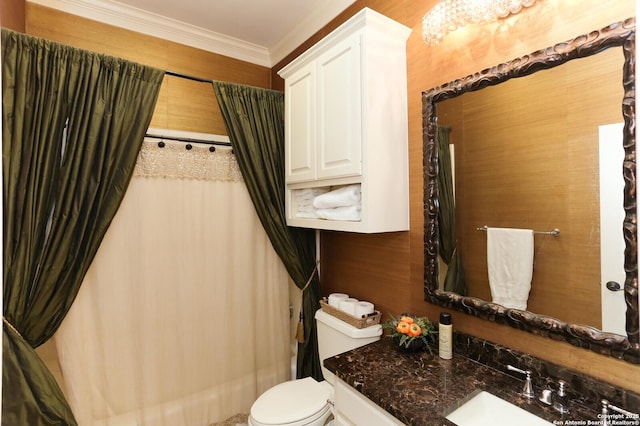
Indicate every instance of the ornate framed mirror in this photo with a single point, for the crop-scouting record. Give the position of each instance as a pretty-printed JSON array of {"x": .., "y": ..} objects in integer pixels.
[{"x": 625, "y": 346}]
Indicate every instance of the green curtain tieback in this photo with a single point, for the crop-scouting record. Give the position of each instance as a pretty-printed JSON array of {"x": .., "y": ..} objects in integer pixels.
[
  {"x": 300, "y": 330},
  {"x": 11, "y": 326}
]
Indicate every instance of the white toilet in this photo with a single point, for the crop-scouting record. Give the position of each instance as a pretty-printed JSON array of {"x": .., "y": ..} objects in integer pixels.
[{"x": 305, "y": 401}]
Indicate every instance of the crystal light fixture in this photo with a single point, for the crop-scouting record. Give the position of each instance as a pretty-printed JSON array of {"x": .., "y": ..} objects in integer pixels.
[{"x": 449, "y": 15}]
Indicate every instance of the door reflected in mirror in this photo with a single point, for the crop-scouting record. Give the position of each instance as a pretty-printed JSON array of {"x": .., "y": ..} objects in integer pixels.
[{"x": 611, "y": 155}]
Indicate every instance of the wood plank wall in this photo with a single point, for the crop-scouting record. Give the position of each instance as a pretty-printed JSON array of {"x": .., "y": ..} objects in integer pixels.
[
  {"x": 182, "y": 104},
  {"x": 12, "y": 14},
  {"x": 387, "y": 269}
]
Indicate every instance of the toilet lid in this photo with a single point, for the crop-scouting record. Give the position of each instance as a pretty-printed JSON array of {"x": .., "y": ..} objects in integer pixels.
[{"x": 290, "y": 402}]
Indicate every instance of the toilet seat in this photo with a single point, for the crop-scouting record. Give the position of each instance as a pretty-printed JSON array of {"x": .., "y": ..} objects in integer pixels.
[{"x": 293, "y": 403}]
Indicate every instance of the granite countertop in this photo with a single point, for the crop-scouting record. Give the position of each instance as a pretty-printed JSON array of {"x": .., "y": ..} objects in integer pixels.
[{"x": 421, "y": 389}]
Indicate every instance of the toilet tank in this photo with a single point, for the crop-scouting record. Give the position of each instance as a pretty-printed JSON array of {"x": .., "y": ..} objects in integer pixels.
[{"x": 336, "y": 336}]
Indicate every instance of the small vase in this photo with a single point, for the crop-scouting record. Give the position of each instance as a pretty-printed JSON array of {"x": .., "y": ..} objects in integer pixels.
[{"x": 413, "y": 346}]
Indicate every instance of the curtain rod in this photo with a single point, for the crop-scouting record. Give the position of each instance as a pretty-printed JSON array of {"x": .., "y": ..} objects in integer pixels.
[
  {"x": 187, "y": 140},
  {"x": 188, "y": 77}
]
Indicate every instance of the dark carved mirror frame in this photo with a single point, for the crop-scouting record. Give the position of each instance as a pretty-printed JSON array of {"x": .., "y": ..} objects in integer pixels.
[{"x": 620, "y": 34}]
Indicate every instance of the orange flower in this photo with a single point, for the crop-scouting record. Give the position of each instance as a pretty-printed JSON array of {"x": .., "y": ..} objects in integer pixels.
[
  {"x": 403, "y": 327},
  {"x": 414, "y": 330},
  {"x": 408, "y": 320}
]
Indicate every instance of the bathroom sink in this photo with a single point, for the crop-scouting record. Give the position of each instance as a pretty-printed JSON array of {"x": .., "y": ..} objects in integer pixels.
[{"x": 485, "y": 409}]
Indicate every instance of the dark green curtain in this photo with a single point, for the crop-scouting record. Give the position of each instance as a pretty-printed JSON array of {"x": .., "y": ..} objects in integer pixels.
[
  {"x": 73, "y": 122},
  {"x": 254, "y": 119},
  {"x": 454, "y": 280}
]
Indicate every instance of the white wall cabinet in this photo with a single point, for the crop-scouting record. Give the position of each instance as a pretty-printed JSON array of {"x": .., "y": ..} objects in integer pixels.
[
  {"x": 354, "y": 409},
  {"x": 339, "y": 115},
  {"x": 346, "y": 123}
]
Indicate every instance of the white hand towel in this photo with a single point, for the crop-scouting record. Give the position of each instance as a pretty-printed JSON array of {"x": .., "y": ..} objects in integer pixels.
[
  {"x": 351, "y": 213},
  {"x": 510, "y": 265},
  {"x": 340, "y": 197}
]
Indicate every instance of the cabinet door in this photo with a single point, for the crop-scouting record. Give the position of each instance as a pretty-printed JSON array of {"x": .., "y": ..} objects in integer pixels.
[
  {"x": 300, "y": 130},
  {"x": 353, "y": 408},
  {"x": 339, "y": 110}
]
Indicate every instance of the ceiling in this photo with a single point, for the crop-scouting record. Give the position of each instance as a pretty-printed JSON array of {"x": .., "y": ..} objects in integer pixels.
[{"x": 258, "y": 31}]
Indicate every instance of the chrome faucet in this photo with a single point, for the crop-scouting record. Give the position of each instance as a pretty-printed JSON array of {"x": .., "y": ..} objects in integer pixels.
[
  {"x": 546, "y": 397},
  {"x": 527, "y": 389},
  {"x": 561, "y": 403},
  {"x": 606, "y": 406}
]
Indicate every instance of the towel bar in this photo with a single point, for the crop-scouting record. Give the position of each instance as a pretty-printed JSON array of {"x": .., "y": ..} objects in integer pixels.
[{"x": 555, "y": 232}]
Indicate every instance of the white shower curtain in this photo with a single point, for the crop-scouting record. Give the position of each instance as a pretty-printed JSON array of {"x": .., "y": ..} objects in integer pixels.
[{"x": 183, "y": 317}]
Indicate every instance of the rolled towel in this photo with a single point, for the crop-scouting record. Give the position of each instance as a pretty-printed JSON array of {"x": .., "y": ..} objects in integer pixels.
[
  {"x": 349, "y": 305},
  {"x": 351, "y": 213},
  {"x": 335, "y": 298},
  {"x": 363, "y": 309},
  {"x": 340, "y": 197}
]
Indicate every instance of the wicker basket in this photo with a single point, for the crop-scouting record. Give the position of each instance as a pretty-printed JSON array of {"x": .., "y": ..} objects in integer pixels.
[{"x": 368, "y": 321}]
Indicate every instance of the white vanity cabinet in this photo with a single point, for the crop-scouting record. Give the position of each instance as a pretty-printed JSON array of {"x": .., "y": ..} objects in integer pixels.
[
  {"x": 354, "y": 409},
  {"x": 346, "y": 123}
]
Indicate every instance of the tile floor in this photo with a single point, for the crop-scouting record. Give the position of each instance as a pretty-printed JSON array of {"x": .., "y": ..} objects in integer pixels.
[{"x": 237, "y": 420}]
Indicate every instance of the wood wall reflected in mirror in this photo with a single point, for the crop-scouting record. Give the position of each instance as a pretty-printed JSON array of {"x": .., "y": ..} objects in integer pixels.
[
  {"x": 526, "y": 156},
  {"x": 576, "y": 332}
]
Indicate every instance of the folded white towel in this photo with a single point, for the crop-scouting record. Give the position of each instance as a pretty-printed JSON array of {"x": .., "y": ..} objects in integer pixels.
[
  {"x": 307, "y": 208},
  {"x": 340, "y": 213},
  {"x": 304, "y": 201},
  {"x": 340, "y": 197},
  {"x": 306, "y": 215},
  {"x": 510, "y": 265},
  {"x": 308, "y": 194}
]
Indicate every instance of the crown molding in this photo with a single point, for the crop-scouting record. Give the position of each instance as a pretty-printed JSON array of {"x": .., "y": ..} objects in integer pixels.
[
  {"x": 306, "y": 28},
  {"x": 130, "y": 18},
  {"x": 133, "y": 19}
]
